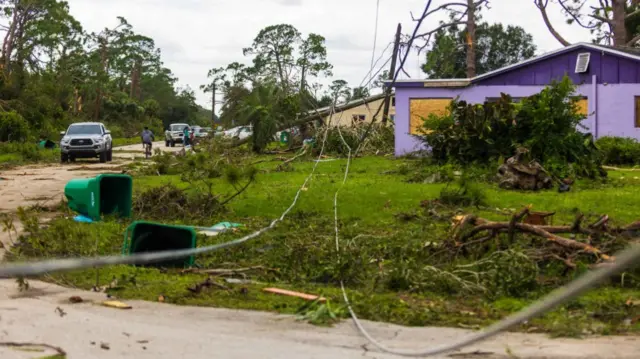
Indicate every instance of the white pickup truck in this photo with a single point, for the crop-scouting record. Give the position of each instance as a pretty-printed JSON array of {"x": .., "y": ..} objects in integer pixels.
[{"x": 175, "y": 134}]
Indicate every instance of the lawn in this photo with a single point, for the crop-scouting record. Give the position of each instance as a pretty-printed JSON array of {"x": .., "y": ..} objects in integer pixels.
[{"x": 387, "y": 261}]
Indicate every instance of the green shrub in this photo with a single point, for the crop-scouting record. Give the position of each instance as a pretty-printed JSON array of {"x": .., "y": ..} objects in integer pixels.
[
  {"x": 13, "y": 127},
  {"x": 619, "y": 150},
  {"x": 545, "y": 123},
  {"x": 27, "y": 152}
]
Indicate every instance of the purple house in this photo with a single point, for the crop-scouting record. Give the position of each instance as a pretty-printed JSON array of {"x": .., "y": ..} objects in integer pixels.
[{"x": 608, "y": 82}]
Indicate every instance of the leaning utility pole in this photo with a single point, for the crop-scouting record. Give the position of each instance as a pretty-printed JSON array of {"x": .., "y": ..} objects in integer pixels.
[{"x": 392, "y": 73}]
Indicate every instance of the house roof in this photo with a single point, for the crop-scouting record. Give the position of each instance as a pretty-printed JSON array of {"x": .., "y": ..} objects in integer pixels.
[{"x": 626, "y": 52}]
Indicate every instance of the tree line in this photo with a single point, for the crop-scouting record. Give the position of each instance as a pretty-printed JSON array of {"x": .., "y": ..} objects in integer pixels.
[{"x": 53, "y": 73}]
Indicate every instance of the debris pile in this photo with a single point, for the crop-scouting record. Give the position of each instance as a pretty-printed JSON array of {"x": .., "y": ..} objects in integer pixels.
[{"x": 516, "y": 173}]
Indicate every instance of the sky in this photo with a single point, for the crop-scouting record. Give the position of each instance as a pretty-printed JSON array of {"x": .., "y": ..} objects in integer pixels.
[{"x": 197, "y": 35}]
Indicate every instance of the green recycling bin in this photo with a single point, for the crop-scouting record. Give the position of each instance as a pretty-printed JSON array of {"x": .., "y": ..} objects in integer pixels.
[
  {"x": 105, "y": 194},
  {"x": 141, "y": 237},
  {"x": 284, "y": 137}
]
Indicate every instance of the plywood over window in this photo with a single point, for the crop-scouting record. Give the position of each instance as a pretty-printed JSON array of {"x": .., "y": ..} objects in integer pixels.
[
  {"x": 583, "y": 106},
  {"x": 420, "y": 108}
]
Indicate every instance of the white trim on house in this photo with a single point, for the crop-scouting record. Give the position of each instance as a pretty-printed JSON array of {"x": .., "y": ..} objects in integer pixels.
[{"x": 589, "y": 46}]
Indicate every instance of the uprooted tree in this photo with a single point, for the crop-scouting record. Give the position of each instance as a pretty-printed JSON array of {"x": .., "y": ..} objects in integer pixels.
[{"x": 546, "y": 124}]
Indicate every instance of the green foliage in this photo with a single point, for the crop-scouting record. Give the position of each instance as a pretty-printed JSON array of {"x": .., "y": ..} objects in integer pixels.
[
  {"x": 13, "y": 127},
  {"x": 496, "y": 47},
  {"x": 266, "y": 108},
  {"x": 619, "y": 151},
  {"x": 12, "y": 153},
  {"x": 545, "y": 123},
  {"x": 322, "y": 314}
]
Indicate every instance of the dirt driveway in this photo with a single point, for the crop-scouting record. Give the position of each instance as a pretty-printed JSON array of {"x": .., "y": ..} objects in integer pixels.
[{"x": 43, "y": 185}]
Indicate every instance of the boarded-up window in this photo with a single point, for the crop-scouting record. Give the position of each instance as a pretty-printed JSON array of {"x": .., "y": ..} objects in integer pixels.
[
  {"x": 583, "y": 106},
  {"x": 420, "y": 108},
  {"x": 637, "y": 119}
]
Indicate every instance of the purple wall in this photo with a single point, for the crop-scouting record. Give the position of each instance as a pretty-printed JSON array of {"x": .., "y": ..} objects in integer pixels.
[
  {"x": 608, "y": 68},
  {"x": 611, "y": 108}
]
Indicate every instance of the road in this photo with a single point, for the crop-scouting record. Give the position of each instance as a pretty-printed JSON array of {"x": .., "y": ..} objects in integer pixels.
[{"x": 156, "y": 330}]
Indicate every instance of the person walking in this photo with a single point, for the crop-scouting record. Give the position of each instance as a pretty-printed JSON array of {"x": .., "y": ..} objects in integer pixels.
[{"x": 185, "y": 136}]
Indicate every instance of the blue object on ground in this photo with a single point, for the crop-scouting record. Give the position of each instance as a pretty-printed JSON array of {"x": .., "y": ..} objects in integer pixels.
[{"x": 82, "y": 219}]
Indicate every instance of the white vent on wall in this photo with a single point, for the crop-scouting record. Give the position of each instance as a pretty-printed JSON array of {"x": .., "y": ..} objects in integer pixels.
[{"x": 582, "y": 63}]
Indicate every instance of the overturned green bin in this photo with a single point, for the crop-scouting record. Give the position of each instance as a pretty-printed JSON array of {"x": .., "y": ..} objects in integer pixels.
[
  {"x": 141, "y": 237},
  {"x": 105, "y": 194}
]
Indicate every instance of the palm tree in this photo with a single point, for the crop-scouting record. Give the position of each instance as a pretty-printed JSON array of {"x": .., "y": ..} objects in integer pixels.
[{"x": 266, "y": 108}]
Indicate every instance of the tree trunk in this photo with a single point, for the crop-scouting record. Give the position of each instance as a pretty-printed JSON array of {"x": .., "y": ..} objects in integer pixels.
[
  {"x": 471, "y": 39},
  {"x": 7, "y": 46},
  {"x": 103, "y": 62},
  {"x": 618, "y": 23},
  {"x": 136, "y": 75}
]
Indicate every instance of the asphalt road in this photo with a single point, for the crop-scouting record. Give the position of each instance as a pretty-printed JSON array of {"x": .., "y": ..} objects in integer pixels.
[{"x": 43, "y": 314}]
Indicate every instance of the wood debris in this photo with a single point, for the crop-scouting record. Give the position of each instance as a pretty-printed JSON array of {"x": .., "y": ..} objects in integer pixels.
[{"x": 290, "y": 293}]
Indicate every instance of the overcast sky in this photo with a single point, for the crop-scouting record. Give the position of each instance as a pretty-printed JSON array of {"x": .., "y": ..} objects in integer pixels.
[{"x": 196, "y": 35}]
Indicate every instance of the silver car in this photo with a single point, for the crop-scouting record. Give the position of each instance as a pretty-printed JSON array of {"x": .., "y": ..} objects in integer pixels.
[{"x": 86, "y": 140}]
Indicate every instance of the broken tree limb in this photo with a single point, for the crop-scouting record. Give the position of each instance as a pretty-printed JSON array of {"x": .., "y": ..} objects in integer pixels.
[
  {"x": 538, "y": 231},
  {"x": 514, "y": 220}
]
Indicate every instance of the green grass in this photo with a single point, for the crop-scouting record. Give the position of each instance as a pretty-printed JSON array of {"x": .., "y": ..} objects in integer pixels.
[
  {"x": 384, "y": 256},
  {"x": 16, "y": 154}
]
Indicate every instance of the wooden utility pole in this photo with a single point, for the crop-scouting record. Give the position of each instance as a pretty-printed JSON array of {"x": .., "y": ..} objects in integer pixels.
[{"x": 392, "y": 73}]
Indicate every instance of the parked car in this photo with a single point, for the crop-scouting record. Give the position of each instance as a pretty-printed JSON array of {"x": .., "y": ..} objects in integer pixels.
[
  {"x": 175, "y": 134},
  {"x": 86, "y": 140},
  {"x": 200, "y": 132},
  {"x": 240, "y": 132}
]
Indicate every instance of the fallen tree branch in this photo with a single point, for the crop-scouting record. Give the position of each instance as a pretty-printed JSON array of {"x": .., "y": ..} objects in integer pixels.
[
  {"x": 514, "y": 220},
  {"x": 538, "y": 231}
]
